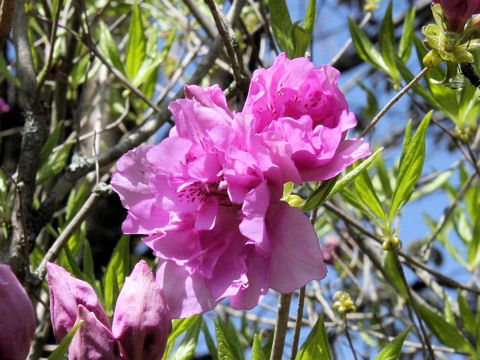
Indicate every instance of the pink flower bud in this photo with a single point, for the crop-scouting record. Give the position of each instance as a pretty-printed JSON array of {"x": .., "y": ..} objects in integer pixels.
[
  {"x": 17, "y": 318},
  {"x": 66, "y": 294},
  {"x": 141, "y": 320},
  {"x": 458, "y": 12},
  {"x": 93, "y": 340}
]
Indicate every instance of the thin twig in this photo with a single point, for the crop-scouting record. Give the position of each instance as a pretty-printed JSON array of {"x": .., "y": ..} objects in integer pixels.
[
  {"x": 392, "y": 102},
  {"x": 426, "y": 249},
  {"x": 70, "y": 229},
  {"x": 413, "y": 303},
  {"x": 345, "y": 46},
  {"x": 281, "y": 326},
  {"x": 345, "y": 326},
  {"x": 53, "y": 39},
  {"x": 409, "y": 259},
  {"x": 298, "y": 323},
  {"x": 231, "y": 44}
]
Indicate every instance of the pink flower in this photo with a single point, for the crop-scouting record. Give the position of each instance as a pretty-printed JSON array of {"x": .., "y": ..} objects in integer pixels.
[
  {"x": 458, "y": 12},
  {"x": 208, "y": 200},
  {"x": 141, "y": 320},
  {"x": 303, "y": 118},
  {"x": 17, "y": 318}
]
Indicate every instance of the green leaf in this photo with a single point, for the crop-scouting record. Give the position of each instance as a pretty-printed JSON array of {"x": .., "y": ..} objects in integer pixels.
[
  {"x": 366, "y": 192},
  {"x": 366, "y": 50},
  {"x": 319, "y": 196},
  {"x": 301, "y": 40},
  {"x": 257, "y": 351},
  {"x": 61, "y": 351},
  {"x": 281, "y": 25},
  {"x": 393, "y": 274},
  {"x": 302, "y": 35},
  {"x": 209, "y": 341},
  {"x": 387, "y": 43},
  {"x": 179, "y": 326},
  {"x": 331, "y": 187},
  {"x": 316, "y": 346},
  {"x": 55, "y": 163},
  {"x": 136, "y": 44},
  {"x": 432, "y": 186},
  {"x": 410, "y": 167},
  {"x": 466, "y": 313},
  {"x": 186, "y": 349},
  {"x": 371, "y": 109},
  {"x": 406, "y": 41},
  {"x": 223, "y": 348},
  {"x": 354, "y": 200},
  {"x": 393, "y": 350},
  {"x": 108, "y": 48},
  {"x": 447, "y": 309},
  {"x": 50, "y": 143},
  {"x": 117, "y": 269},
  {"x": 384, "y": 176},
  {"x": 448, "y": 334},
  {"x": 231, "y": 335},
  {"x": 76, "y": 199},
  {"x": 150, "y": 65},
  {"x": 69, "y": 263}
]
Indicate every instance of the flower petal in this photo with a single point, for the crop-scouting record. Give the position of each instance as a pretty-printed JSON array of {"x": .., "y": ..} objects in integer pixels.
[
  {"x": 296, "y": 257},
  {"x": 186, "y": 294},
  {"x": 93, "y": 340}
]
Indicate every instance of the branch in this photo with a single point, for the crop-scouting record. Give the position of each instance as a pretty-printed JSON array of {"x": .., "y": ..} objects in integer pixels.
[
  {"x": 281, "y": 326},
  {"x": 231, "y": 44}
]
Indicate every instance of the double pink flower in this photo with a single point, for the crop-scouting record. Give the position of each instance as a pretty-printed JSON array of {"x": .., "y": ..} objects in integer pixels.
[
  {"x": 207, "y": 198},
  {"x": 141, "y": 321}
]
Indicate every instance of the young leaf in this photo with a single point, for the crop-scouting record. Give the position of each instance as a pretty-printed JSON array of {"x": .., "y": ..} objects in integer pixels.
[
  {"x": 448, "y": 334},
  {"x": 410, "y": 167},
  {"x": 384, "y": 176},
  {"x": 186, "y": 349},
  {"x": 393, "y": 274},
  {"x": 136, "y": 44},
  {"x": 331, "y": 187},
  {"x": 316, "y": 346},
  {"x": 257, "y": 351},
  {"x": 281, "y": 25},
  {"x": 366, "y": 50},
  {"x": 406, "y": 41},
  {"x": 387, "y": 43},
  {"x": 50, "y": 143},
  {"x": 61, "y": 351},
  {"x": 179, "y": 326},
  {"x": 108, "y": 48},
  {"x": 466, "y": 313},
  {"x": 393, "y": 350},
  {"x": 117, "y": 269},
  {"x": 366, "y": 192},
  {"x": 150, "y": 65},
  {"x": 55, "y": 163},
  {"x": 224, "y": 351},
  {"x": 209, "y": 341}
]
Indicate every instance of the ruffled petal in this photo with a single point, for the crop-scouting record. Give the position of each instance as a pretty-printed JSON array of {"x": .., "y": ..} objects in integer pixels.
[{"x": 296, "y": 257}]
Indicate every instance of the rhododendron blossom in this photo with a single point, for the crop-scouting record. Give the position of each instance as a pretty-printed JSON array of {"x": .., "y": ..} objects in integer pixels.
[
  {"x": 207, "y": 198},
  {"x": 303, "y": 117}
]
